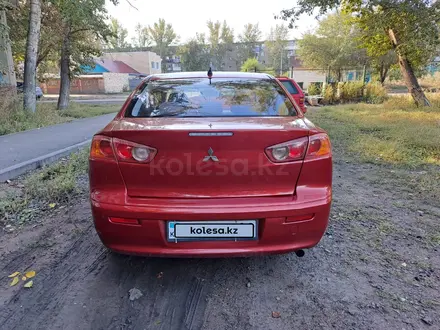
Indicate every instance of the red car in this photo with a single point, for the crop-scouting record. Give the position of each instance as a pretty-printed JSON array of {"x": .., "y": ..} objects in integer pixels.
[
  {"x": 295, "y": 90},
  {"x": 214, "y": 166}
]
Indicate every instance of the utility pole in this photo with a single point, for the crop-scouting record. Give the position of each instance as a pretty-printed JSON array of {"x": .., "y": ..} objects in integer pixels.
[
  {"x": 281, "y": 67},
  {"x": 7, "y": 73}
]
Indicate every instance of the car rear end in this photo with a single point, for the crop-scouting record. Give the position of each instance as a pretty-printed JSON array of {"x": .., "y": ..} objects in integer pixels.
[
  {"x": 295, "y": 91},
  {"x": 226, "y": 166}
]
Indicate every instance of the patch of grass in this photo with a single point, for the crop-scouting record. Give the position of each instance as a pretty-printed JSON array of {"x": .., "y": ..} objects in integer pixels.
[
  {"x": 57, "y": 182},
  {"x": 396, "y": 132},
  {"x": 78, "y": 110},
  {"x": 39, "y": 191},
  {"x": 14, "y": 119},
  {"x": 435, "y": 239}
]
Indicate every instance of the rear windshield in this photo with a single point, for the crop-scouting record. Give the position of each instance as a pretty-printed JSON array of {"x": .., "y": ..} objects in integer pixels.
[
  {"x": 222, "y": 97},
  {"x": 290, "y": 87}
]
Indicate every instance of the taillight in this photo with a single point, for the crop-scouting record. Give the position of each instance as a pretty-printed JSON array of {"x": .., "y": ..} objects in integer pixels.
[
  {"x": 101, "y": 148},
  {"x": 301, "y": 100},
  {"x": 127, "y": 151},
  {"x": 104, "y": 147},
  {"x": 288, "y": 151},
  {"x": 319, "y": 146},
  {"x": 313, "y": 147}
]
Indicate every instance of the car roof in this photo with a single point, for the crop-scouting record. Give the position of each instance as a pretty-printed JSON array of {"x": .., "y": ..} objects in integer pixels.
[{"x": 215, "y": 74}]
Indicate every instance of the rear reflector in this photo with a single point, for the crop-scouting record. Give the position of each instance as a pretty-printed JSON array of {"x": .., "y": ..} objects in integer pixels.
[
  {"x": 124, "y": 221},
  {"x": 304, "y": 217}
]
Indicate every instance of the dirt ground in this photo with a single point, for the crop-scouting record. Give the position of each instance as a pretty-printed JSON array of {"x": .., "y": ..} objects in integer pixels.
[{"x": 377, "y": 267}]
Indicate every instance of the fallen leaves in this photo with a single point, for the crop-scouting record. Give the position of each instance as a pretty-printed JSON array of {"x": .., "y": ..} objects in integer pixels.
[
  {"x": 27, "y": 275},
  {"x": 15, "y": 281},
  {"x": 52, "y": 205},
  {"x": 276, "y": 315},
  {"x": 30, "y": 274}
]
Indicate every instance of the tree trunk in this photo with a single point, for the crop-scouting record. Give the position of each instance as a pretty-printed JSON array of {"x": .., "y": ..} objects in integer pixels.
[
  {"x": 409, "y": 77},
  {"x": 383, "y": 73},
  {"x": 63, "y": 99},
  {"x": 30, "y": 63}
]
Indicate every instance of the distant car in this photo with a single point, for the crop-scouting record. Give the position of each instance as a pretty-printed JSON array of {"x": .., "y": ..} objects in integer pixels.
[
  {"x": 217, "y": 165},
  {"x": 294, "y": 90},
  {"x": 38, "y": 91}
]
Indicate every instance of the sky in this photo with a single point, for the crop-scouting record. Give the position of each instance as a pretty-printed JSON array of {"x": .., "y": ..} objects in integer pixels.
[{"x": 190, "y": 16}]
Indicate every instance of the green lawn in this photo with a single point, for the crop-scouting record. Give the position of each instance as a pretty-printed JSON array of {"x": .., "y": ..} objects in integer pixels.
[
  {"x": 13, "y": 120},
  {"x": 402, "y": 139},
  {"x": 395, "y": 132}
]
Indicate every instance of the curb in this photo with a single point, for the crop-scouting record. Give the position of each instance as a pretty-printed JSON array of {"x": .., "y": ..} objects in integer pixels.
[{"x": 32, "y": 164}]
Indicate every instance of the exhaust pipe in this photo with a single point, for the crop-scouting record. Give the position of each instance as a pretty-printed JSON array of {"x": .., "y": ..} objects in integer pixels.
[{"x": 300, "y": 253}]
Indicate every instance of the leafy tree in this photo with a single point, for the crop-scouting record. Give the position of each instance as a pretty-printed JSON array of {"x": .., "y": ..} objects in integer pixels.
[
  {"x": 220, "y": 39},
  {"x": 333, "y": 47},
  {"x": 276, "y": 44},
  {"x": 118, "y": 38},
  {"x": 50, "y": 38},
  {"x": 248, "y": 40},
  {"x": 251, "y": 65},
  {"x": 82, "y": 27},
  {"x": 163, "y": 36},
  {"x": 194, "y": 55},
  {"x": 142, "y": 38},
  {"x": 409, "y": 27}
]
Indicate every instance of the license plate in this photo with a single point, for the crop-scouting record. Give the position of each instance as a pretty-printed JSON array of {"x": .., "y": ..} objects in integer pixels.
[{"x": 212, "y": 230}]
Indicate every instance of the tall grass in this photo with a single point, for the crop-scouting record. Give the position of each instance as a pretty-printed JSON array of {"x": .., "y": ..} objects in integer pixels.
[{"x": 349, "y": 92}]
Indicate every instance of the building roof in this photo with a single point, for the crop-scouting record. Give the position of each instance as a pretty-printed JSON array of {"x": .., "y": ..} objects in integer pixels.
[
  {"x": 115, "y": 66},
  {"x": 215, "y": 74}
]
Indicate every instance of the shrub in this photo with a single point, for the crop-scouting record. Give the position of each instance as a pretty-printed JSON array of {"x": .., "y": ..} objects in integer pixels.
[
  {"x": 251, "y": 65},
  {"x": 375, "y": 93},
  {"x": 350, "y": 91},
  {"x": 329, "y": 94},
  {"x": 314, "y": 89}
]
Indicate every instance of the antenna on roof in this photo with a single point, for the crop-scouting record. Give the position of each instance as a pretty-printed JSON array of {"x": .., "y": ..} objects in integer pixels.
[{"x": 210, "y": 75}]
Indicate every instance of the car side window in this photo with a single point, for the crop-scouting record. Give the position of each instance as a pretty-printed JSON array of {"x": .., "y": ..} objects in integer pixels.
[{"x": 290, "y": 87}]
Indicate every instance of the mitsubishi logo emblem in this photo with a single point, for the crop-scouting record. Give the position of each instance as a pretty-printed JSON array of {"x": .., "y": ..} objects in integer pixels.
[{"x": 211, "y": 156}]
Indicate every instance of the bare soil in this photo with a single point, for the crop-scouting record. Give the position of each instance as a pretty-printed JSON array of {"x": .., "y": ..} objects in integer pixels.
[{"x": 377, "y": 267}]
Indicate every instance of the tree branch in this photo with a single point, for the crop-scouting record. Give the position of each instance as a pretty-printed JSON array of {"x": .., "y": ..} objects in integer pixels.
[{"x": 131, "y": 5}]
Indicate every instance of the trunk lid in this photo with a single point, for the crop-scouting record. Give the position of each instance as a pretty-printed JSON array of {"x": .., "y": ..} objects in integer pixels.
[{"x": 210, "y": 157}]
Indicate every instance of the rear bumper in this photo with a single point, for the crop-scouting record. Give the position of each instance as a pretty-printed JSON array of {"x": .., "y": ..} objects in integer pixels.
[{"x": 283, "y": 226}]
